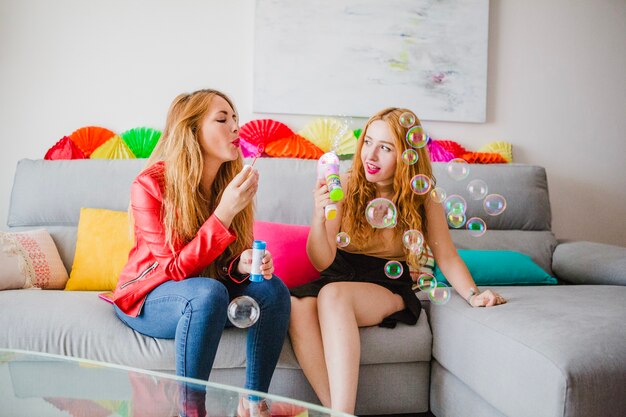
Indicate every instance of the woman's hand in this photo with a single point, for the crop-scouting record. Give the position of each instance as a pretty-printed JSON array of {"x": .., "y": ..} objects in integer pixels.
[
  {"x": 487, "y": 298},
  {"x": 321, "y": 198},
  {"x": 237, "y": 195},
  {"x": 245, "y": 264}
]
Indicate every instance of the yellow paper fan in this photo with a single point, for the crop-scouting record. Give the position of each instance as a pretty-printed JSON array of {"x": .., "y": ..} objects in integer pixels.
[
  {"x": 114, "y": 148},
  {"x": 328, "y": 134},
  {"x": 503, "y": 148}
]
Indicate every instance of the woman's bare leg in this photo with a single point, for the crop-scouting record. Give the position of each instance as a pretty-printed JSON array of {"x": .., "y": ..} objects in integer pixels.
[
  {"x": 343, "y": 307},
  {"x": 306, "y": 339}
]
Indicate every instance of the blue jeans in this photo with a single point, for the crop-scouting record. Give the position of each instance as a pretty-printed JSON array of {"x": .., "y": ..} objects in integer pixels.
[{"x": 193, "y": 312}]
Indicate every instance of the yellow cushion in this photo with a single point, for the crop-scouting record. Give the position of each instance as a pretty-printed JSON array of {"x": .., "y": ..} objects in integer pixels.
[{"x": 102, "y": 246}]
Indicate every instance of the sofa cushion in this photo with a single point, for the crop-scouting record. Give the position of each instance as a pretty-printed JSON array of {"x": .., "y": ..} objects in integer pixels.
[
  {"x": 548, "y": 352},
  {"x": 30, "y": 259},
  {"x": 79, "y": 324},
  {"x": 287, "y": 244},
  {"x": 102, "y": 246},
  {"x": 493, "y": 267}
]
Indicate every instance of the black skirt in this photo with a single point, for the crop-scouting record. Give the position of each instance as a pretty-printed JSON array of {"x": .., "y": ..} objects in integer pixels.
[{"x": 363, "y": 268}]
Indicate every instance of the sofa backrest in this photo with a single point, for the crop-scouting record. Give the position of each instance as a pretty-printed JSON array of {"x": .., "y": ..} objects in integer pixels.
[{"x": 50, "y": 194}]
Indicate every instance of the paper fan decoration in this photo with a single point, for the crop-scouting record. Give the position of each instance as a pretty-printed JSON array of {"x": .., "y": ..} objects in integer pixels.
[
  {"x": 114, "y": 148},
  {"x": 263, "y": 131},
  {"x": 503, "y": 148},
  {"x": 141, "y": 140},
  {"x": 444, "y": 150},
  {"x": 484, "y": 158},
  {"x": 326, "y": 132},
  {"x": 294, "y": 146},
  {"x": 64, "y": 149},
  {"x": 90, "y": 137},
  {"x": 347, "y": 145},
  {"x": 250, "y": 150}
]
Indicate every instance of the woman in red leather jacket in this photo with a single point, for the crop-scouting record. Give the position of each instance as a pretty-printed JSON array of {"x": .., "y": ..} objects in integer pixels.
[{"x": 192, "y": 209}]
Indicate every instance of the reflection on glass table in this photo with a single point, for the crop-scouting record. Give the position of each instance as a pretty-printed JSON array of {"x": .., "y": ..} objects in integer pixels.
[{"x": 39, "y": 384}]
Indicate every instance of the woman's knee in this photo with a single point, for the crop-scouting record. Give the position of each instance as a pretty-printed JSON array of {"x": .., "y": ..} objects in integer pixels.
[
  {"x": 208, "y": 293},
  {"x": 274, "y": 293},
  {"x": 333, "y": 295}
]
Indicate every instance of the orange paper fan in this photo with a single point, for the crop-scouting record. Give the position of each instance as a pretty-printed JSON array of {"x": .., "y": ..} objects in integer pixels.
[
  {"x": 484, "y": 158},
  {"x": 294, "y": 146},
  {"x": 89, "y": 138},
  {"x": 64, "y": 149},
  {"x": 264, "y": 131}
]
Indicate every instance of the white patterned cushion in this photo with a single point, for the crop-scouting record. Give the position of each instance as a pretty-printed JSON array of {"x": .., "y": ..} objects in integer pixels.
[{"x": 30, "y": 260}]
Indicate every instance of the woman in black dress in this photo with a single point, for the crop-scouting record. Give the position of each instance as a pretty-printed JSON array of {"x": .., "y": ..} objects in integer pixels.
[{"x": 353, "y": 290}]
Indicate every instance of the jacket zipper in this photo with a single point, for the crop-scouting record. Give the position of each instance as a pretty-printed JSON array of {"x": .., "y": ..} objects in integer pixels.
[{"x": 143, "y": 274}]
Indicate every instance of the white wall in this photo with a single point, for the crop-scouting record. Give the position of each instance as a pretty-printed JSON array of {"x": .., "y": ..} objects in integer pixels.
[{"x": 556, "y": 85}]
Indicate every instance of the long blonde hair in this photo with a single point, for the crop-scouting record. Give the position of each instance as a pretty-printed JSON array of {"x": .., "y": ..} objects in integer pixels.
[
  {"x": 185, "y": 205},
  {"x": 410, "y": 206}
]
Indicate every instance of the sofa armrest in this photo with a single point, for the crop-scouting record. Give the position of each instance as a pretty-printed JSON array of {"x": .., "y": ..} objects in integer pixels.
[{"x": 590, "y": 263}]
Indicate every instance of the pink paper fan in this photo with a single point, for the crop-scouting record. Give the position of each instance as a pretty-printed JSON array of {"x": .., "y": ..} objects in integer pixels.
[
  {"x": 64, "y": 149},
  {"x": 263, "y": 131},
  {"x": 438, "y": 153},
  {"x": 248, "y": 150}
]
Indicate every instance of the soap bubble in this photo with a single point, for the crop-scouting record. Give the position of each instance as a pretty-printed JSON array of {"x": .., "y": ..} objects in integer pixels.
[
  {"x": 440, "y": 294},
  {"x": 456, "y": 220},
  {"x": 494, "y": 204},
  {"x": 458, "y": 169},
  {"x": 476, "y": 226},
  {"x": 381, "y": 213},
  {"x": 413, "y": 240},
  {"x": 243, "y": 311},
  {"x": 420, "y": 184},
  {"x": 342, "y": 239},
  {"x": 393, "y": 269},
  {"x": 477, "y": 189},
  {"x": 426, "y": 282},
  {"x": 260, "y": 149},
  {"x": 407, "y": 119},
  {"x": 455, "y": 204},
  {"x": 438, "y": 194},
  {"x": 410, "y": 156},
  {"x": 416, "y": 137}
]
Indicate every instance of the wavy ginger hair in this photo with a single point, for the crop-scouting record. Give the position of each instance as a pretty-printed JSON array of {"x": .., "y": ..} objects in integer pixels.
[
  {"x": 411, "y": 213},
  {"x": 185, "y": 205}
]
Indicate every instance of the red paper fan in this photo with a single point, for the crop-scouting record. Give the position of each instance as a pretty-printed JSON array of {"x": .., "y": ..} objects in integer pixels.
[
  {"x": 264, "y": 131},
  {"x": 294, "y": 146},
  {"x": 64, "y": 149},
  {"x": 90, "y": 138},
  {"x": 484, "y": 158}
]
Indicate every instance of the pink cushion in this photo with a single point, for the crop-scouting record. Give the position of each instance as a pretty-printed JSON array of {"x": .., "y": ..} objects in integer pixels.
[{"x": 287, "y": 244}]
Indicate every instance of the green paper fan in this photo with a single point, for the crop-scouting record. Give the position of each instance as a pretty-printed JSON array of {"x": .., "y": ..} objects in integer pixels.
[
  {"x": 114, "y": 148},
  {"x": 141, "y": 140}
]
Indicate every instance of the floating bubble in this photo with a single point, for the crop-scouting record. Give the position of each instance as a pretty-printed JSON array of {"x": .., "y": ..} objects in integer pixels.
[
  {"x": 243, "y": 311},
  {"x": 420, "y": 184},
  {"x": 426, "y": 282},
  {"x": 458, "y": 169},
  {"x": 494, "y": 204},
  {"x": 413, "y": 240},
  {"x": 477, "y": 189},
  {"x": 410, "y": 156},
  {"x": 455, "y": 204},
  {"x": 381, "y": 213},
  {"x": 476, "y": 226},
  {"x": 456, "y": 220},
  {"x": 342, "y": 239},
  {"x": 416, "y": 137},
  {"x": 438, "y": 194},
  {"x": 393, "y": 269},
  {"x": 440, "y": 294},
  {"x": 407, "y": 119},
  {"x": 260, "y": 149}
]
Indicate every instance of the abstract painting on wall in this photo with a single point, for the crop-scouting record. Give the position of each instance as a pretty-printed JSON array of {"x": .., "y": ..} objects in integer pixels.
[{"x": 355, "y": 57}]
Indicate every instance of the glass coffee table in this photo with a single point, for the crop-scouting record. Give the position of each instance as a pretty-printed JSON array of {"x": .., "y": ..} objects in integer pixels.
[{"x": 40, "y": 384}]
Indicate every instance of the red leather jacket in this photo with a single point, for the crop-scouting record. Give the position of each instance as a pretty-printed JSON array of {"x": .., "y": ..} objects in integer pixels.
[{"x": 151, "y": 262}]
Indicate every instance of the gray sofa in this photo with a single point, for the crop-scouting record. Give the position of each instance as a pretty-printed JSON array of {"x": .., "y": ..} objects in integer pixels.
[{"x": 551, "y": 351}]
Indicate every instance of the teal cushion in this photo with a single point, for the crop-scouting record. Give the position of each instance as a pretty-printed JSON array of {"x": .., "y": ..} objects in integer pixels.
[{"x": 496, "y": 267}]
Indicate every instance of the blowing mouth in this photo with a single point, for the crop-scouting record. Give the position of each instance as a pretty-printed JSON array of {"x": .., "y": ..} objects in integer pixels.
[{"x": 236, "y": 142}]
